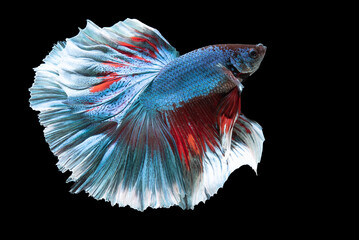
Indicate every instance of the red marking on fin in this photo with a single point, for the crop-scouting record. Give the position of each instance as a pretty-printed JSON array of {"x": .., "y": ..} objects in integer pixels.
[
  {"x": 229, "y": 108},
  {"x": 244, "y": 126},
  {"x": 138, "y": 39},
  {"x": 114, "y": 64},
  {"x": 128, "y": 54},
  {"x": 88, "y": 103},
  {"x": 197, "y": 126},
  {"x": 128, "y": 45},
  {"x": 181, "y": 146},
  {"x": 150, "y": 36},
  {"x": 225, "y": 124},
  {"x": 194, "y": 127},
  {"x": 106, "y": 83},
  {"x": 138, "y": 48},
  {"x": 131, "y": 55},
  {"x": 91, "y": 109},
  {"x": 193, "y": 144}
]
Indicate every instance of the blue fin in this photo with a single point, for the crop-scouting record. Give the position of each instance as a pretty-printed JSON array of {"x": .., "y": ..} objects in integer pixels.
[
  {"x": 84, "y": 90},
  {"x": 137, "y": 165},
  {"x": 101, "y": 71}
]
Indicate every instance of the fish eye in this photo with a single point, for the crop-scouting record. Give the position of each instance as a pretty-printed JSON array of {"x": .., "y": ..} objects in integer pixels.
[{"x": 253, "y": 53}]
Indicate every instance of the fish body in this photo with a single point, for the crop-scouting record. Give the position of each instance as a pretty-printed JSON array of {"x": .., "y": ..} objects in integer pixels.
[
  {"x": 195, "y": 74},
  {"x": 139, "y": 125}
]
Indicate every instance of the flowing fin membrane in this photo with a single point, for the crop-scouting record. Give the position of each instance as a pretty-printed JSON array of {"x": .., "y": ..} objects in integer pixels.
[
  {"x": 212, "y": 139},
  {"x": 84, "y": 90},
  {"x": 87, "y": 91}
]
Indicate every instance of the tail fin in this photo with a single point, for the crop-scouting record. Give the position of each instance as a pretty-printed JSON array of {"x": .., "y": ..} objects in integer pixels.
[
  {"x": 137, "y": 164},
  {"x": 84, "y": 90}
]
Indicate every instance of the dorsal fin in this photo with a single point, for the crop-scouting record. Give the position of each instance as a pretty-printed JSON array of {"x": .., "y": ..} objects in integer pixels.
[{"x": 101, "y": 70}]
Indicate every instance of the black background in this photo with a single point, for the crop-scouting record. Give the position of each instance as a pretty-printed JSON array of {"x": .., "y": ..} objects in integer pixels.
[{"x": 277, "y": 198}]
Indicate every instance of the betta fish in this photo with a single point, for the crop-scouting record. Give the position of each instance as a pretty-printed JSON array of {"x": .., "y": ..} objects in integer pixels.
[{"x": 137, "y": 124}]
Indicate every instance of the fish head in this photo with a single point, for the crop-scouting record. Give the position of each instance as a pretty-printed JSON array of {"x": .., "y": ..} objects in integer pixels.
[{"x": 244, "y": 59}]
